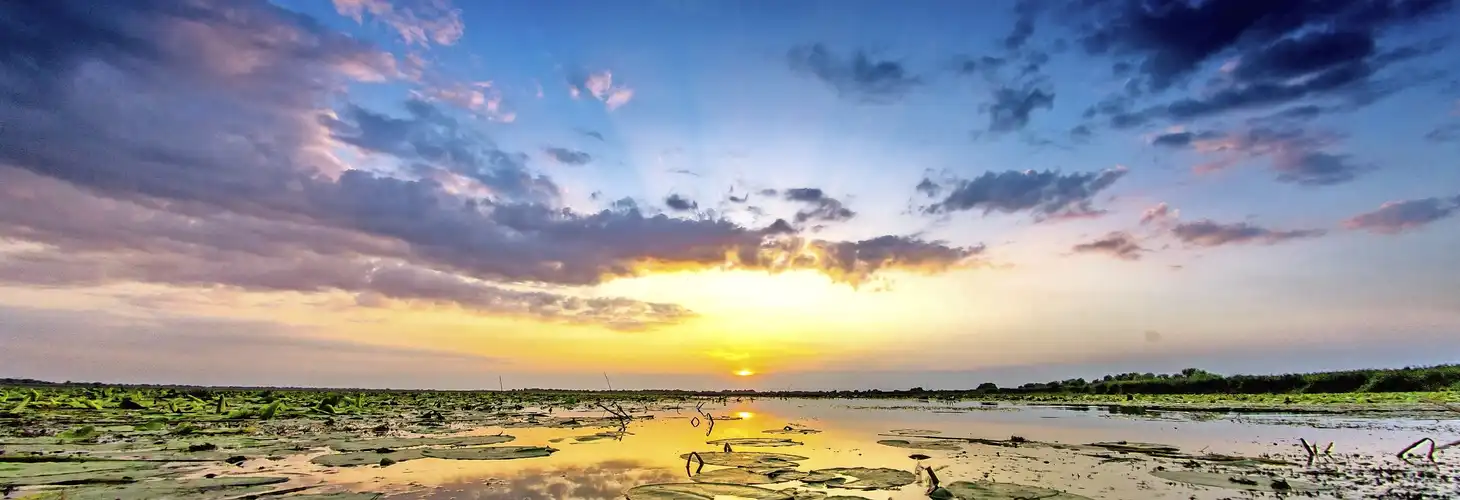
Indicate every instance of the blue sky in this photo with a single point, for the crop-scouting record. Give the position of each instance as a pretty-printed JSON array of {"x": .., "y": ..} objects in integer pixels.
[{"x": 797, "y": 188}]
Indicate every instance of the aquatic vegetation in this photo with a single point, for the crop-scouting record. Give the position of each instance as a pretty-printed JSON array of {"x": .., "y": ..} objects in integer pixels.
[
  {"x": 921, "y": 445},
  {"x": 756, "y": 442},
  {"x": 989, "y": 490},
  {"x": 205, "y": 488},
  {"x": 392, "y": 443},
  {"x": 747, "y": 459},
  {"x": 489, "y": 452},
  {"x": 381, "y": 457},
  {"x": 742, "y": 475},
  {"x": 705, "y": 491},
  {"x": 862, "y": 478},
  {"x": 1235, "y": 481}
]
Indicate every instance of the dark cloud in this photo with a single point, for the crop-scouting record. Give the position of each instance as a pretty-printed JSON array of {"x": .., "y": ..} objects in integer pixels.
[
  {"x": 1398, "y": 216},
  {"x": 1207, "y": 233},
  {"x": 233, "y": 181},
  {"x": 1026, "y": 12},
  {"x": 1046, "y": 194},
  {"x": 1444, "y": 133},
  {"x": 1119, "y": 244},
  {"x": 1295, "y": 155},
  {"x": 680, "y": 204},
  {"x": 591, "y": 133},
  {"x": 1172, "y": 40},
  {"x": 568, "y": 156},
  {"x": 1316, "y": 168},
  {"x": 435, "y": 141},
  {"x": 682, "y": 171},
  {"x": 1304, "y": 54},
  {"x": 1081, "y": 132},
  {"x": 809, "y": 195},
  {"x": 821, "y": 207},
  {"x": 928, "y": 188},
  {"x": 1011, "y": 107},
  {"x": 1174, "y": 139},
  {"x": 1287, "y": 50},
  {"x": 856, "y": 77}
]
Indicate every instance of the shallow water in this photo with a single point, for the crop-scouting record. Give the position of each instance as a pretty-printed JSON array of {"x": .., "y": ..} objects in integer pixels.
[{"x": 650, "y": 452}]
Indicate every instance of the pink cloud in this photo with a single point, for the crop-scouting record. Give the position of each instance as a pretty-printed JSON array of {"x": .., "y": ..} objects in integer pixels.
[{"x": 418, "y": 22}]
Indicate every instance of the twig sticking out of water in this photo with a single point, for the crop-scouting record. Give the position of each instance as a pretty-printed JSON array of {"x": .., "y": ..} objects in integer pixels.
[
  {"x": 1328, "y": 451},
  {"x": 932, "y": 479},
  {"x": 693, "y": 456},
  {"x": 1430, "y": 455},
  {"x": 727, "y": 448},
  {"x": 1311, "y": 449}
]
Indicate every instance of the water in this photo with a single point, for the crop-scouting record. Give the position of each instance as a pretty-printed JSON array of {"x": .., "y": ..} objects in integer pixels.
[{"x": 650, "y": 452}]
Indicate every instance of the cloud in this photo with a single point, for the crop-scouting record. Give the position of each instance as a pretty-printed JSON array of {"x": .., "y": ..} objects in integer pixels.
[
  {"x": 1011, "y": 108},
  {"x": 600, "y": 86},
  {"x": 1444, "y": 133},
  {"x": 821, "y": 207},
  {"x": 1159, "y": 214},
  {"x": 481, "y": 98},
  {"x": 1153, "y": 336},
  {"x": 1119, "y": 244},
  {"x": 1046, "y": 194},
  {"x": 567, "y": 156},
  {"x": 430, "y": 138},
  {"x": 679, "y": 203},
  {"x": 1206, "y": 233},
  {"x": 91, "y": 241},
  {"x": 1026, "y": 12},
  {"x": 1293, "y": 154},
  {"x": 235, "y": 179},
  {"x": 1398, "y": 216},
  {"x": 418, "y": 22},
  {"x": 1280, "y": 38},
  {"x": 168, "y": 348},
  {"x": 1278, "y": 52},
  {"x": 857, "y": 77},
  {"x": 591, "y": 133}
]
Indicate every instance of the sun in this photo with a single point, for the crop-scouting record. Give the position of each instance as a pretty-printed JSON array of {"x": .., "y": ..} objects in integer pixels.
[{"x": 744, "y": 372}]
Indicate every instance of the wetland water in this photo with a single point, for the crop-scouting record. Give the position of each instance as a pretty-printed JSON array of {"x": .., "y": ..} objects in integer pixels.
[{"x": 1240, "y": 455}]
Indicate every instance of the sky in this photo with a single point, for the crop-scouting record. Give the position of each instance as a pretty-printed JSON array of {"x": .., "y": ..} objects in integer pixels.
[{"x": 662, "y": 193}]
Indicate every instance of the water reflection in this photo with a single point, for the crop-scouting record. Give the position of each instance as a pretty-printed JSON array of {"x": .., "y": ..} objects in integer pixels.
[{"x": 602, "y": 481}]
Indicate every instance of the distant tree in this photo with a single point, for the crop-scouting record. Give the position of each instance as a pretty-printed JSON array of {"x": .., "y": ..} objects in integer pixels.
[{"x": 987, "y": 387}]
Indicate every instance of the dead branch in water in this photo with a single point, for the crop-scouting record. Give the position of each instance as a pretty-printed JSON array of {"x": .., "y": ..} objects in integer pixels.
[
  {"x": 1430, "y": 455},
  {"x": 693, "y": 456},
  {"x": 932, "y": 479}
]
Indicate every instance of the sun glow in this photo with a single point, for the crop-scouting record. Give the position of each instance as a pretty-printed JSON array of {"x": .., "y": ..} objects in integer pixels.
[{"x": 744, "y": 372}]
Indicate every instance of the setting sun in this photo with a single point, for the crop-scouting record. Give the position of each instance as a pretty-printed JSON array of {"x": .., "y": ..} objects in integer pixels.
[{"x": 744, "y": 372}]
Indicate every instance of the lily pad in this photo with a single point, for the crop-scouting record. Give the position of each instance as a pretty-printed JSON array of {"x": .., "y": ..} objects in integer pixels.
[
  {"x": 791, "y": 430},
  {"x": 747, "y": 459},
  {"x": 73, "y": 473},
  {"x": 216, "y": 487},
  {"x": 489, "y": 452},
  {"x": 989, "y": 490},
  {"x": 863, "y": 478},
  {"x": 914, "y": 432},
  {"x": 599, "y": 437},
  {"x": 741, "y": 475},
  {"x": 344, "y": 495},
  {"x": 921, "y": 445},
  {"x": 757, "y": 442},
  {"x": 702, "y": 491},
  {"x": 366, "y": 458},
  {"x": 1238, "y": 481},
  {"x": 804, "y": 494},
  {"x": 394, "y": 443},
  {"x": 1134, "y": 447}
]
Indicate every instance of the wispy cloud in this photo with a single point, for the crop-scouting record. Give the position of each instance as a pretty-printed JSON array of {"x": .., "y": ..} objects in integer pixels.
[
  {"x": 1046, "y": 194},
  {"x": 1119, "y": 244},
  {"x": 1207, "y": 233},
  {"x": 417, "y": 22},
  {"x": 857, "y": 76},
  {"x": 600, "y": 86},
  {"x": 1398, "y": 216}
]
